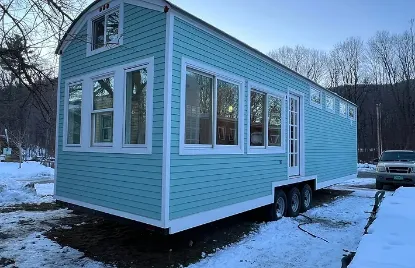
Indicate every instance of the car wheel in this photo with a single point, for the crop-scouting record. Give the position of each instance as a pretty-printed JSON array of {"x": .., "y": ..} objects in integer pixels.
[
  {"x": 280, "y": 205},
  {"x": 294, "y": 202},
  {"x": 379, "y": 185},
  {"x": 306, "y": 198}
]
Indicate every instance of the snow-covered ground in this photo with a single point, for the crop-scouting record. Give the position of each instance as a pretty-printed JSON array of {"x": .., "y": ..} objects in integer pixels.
[
  {"x": 390, "y": 240},
  {"x": 17, "y": 184},
  {"x": 366, "y": 167},
  {"x": 22, "y": 242},
  {"x": 283, "y": 244}
]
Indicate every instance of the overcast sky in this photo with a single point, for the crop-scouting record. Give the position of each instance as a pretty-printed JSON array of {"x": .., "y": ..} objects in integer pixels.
[{"x": 269, "y": 24}]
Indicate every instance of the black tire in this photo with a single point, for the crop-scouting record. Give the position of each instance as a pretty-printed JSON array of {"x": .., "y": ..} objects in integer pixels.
[
  {"x": 293, "y": 202},
  {"x": 306, "y": 198},
  {"x": 379, "y": 185},
  {"x": 279, "y": 208}
]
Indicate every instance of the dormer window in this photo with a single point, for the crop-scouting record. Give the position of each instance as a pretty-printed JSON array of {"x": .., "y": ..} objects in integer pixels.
[{"x": 105, "y": 30}]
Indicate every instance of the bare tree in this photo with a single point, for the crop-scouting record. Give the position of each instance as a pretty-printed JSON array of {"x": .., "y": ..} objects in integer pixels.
[{"x": 307, "y": 62}]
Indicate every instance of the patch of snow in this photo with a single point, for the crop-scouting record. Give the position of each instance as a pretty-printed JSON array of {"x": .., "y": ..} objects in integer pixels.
[
  {"x": 389, "y": 242},
  {"x": 44, "y": 189},
  {"x": 366, "y": 167},
  {"x": 284, "y": 245},
  {"x": 17, "y": 185}
]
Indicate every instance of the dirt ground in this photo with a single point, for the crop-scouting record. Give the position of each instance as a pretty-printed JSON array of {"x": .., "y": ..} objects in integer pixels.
[{"x": 127, "y": 244}]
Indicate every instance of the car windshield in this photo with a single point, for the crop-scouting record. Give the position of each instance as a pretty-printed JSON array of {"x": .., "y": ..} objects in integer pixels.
[{"x": 398, "y": 156}]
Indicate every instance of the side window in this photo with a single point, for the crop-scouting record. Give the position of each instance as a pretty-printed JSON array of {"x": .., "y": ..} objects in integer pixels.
[
  {"x": 343, "y": 109},
  {"x": 103, "y": 111},
  {"x": 136, "y": 107},
  {"x": 211, "y": 118},
  {"x": 315, "y": 97},
  {"x": 74, "y": 114},
  {"x": 352, "y": 112},
  {"x": 265, "y": 123},
  {"x": 330, "y": 103}
]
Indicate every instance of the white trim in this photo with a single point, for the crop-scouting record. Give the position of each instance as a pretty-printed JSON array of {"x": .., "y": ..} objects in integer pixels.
[
  {"x": 93, "y": 15},
  {"x": 58, "y": 100},
  {"x": 340, "y": 112},
  {"x": 292, "y": 180},
  {"x": 269, "y": 92},
  {"x": 312, "y": 102},
  {"x": 196, "y": 149},
  {"x": 168, "y": 81},
  {"x": 328, "y": 183},
  {"x": 118, "y": 111},
  {"x": 330, "y": 96},
  {"x": 201, "y": 218},
  {"x": 111, "y": 211},
  {"x": 302, "y": 129}
]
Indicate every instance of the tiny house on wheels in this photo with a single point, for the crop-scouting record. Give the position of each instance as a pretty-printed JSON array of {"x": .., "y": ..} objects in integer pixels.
[{"x": 169, "y": 121}]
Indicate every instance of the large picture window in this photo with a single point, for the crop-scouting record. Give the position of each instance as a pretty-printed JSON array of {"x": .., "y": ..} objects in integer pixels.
[
  {"x": 74, "y": 114},
  {"x": 211, "y": 114},
  {"x": 265, "y": 125},
  {"x": 136, "y": 107},
  {"x": 102, "y": 111}
]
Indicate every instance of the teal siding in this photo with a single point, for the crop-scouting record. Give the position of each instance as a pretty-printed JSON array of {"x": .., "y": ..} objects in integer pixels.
[
  {"x": 204, "y": 182},
  {"x": 125, "y": 182},
  {"x": 330, "y": 143}
]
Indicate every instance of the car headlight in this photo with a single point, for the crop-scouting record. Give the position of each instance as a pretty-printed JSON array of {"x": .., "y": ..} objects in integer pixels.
[{"x": 381, "y": 169}]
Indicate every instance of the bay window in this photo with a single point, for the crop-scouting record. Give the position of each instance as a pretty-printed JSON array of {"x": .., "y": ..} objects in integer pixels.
[
  {"x": 266, "y": 116},
  {"x": 211, "y": 116}
]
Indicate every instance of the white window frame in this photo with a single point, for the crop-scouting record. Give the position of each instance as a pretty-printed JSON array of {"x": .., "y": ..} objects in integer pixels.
[
  {"x": 349, "y": 106},
  {"x": 69, "y": 82},
  {"x": 202, "y": 149},
  {"x": 345, "y": 105},
  {"x": 252, "y": 86},
  {"x": 149, "y": 108},
  {"x": 94, "y": 112},
  {"x": 320, "y": 93},
  {"x": 114, "y": 5},
  {"x": 117, "y": 145},
  {"x": 330, "y": 109}
]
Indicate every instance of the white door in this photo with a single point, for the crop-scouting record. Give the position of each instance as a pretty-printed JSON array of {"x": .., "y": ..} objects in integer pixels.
[{"x": 294, "y": 136}]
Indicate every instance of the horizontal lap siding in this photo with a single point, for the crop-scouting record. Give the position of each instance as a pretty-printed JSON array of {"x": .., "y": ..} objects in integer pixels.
[
  {"x": 330, "y": 144},
  {"x": 125, "y": 182},
  {"x": 204, "y": 182}
]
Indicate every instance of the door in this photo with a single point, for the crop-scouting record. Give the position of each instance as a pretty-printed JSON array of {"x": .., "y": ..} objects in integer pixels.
[{"x": 294, "y": 136}]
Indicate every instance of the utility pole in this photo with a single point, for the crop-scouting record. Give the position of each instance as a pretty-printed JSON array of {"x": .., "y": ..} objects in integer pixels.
[{"x": 379, "y": 127}]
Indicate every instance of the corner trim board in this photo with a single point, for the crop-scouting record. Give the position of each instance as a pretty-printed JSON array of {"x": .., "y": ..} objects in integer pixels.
[
  {"x": 201, "y": 218},
  {"x": 58, "y": 98},
  {"x": 111, "y": 211},
  {"x": 168, "y": 80}
]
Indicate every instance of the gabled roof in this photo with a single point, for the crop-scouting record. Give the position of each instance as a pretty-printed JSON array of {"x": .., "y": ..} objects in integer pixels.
[{"x": 213, "y": 28}]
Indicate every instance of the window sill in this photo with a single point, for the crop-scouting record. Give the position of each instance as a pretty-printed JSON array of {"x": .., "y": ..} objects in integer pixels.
[
  {"x": 130, "y": 150},
  {"x": 211, "y": 151},
  {"x": 277, "y": 150}
]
